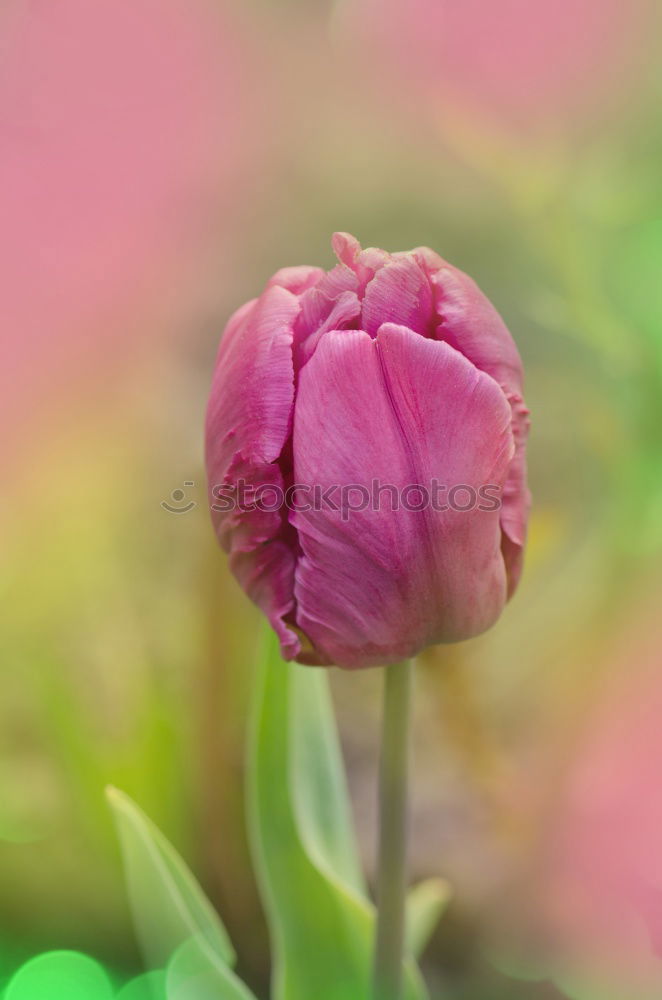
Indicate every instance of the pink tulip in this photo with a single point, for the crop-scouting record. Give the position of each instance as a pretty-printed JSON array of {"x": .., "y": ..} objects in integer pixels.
[{"x": 390, "y": 369}]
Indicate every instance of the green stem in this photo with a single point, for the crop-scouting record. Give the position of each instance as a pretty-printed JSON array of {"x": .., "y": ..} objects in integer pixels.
[{"x": 391, "y": 872}]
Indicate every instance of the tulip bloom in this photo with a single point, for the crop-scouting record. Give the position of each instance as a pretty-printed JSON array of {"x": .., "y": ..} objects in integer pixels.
[{"x": 392, "y": 369}]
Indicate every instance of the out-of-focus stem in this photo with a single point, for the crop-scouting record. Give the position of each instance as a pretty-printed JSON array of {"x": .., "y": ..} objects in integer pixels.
[{"x": 391, "y": 873}]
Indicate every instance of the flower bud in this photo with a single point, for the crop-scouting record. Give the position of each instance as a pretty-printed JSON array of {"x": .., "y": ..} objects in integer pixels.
[{"x": 372, "y": 419}]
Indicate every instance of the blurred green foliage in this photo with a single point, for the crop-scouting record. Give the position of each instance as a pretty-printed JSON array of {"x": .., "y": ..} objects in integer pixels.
[{"x": 320, "y": 917}]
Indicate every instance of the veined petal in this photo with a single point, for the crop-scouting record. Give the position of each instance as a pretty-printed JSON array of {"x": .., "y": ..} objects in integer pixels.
[
  {"x": 400, "y": 292},
  {"x": 346, "y": 248},
  {"x": 400, "y": 410},
  {"x": 249, "y": 420},
  {"x": 297, "y": 279},
  {"x": 364, "y": 264},
  {"x": 469, "y": 322},
  {"x": 516, "y": 496},
  {"x": 395, "y": 288},
  {"x": 343, "y": 312}
]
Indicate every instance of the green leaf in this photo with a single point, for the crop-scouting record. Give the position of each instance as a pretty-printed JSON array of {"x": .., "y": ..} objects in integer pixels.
[
  {"x": 317, "y": 780},
  {"x": 425, "y": 904},
  {"x": 167, "y": 903},
  {"x": 191, "y": 977},
  {"x": 320, "y": 920}
]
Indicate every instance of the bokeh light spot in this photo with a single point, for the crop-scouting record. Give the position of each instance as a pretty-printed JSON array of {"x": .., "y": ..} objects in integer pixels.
[
  {"x": 60, "y": 975},
  {"x": 150, "y": 986}
]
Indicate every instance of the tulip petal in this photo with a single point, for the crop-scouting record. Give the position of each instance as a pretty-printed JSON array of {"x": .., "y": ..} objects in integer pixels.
[
  {"x": 341, "y": 313},
  {"x": 364, "y": 264},
  {"x": 396, "y": 288},
  {"x": 346, "y": 248},
  {"x": 400, "y": 293},
  {"x": 297, "y": 279},
  {"x": 249, "y": 419},
  {"x": 516, "y": 496},
  {"x": 400, "y": 409},
  {"x": 332, "y": 283},
  {"x": 469, "y": 322}
]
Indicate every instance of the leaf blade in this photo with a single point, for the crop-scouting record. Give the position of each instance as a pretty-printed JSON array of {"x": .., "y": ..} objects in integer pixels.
[
  {"x": 319, "y": 787},
  {"x": 321, "y": 925},
  {"x": 190, "y": 976},
  {"x": 168, "y": 904},
  {"x": 425, "y": 904}
]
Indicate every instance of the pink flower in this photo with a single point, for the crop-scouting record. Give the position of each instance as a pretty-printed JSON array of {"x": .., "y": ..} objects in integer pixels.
[
  {"x": 519, "y": 62},
  {"x": 390, "y": 369},
  {"x": 125, "y": 131}
]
